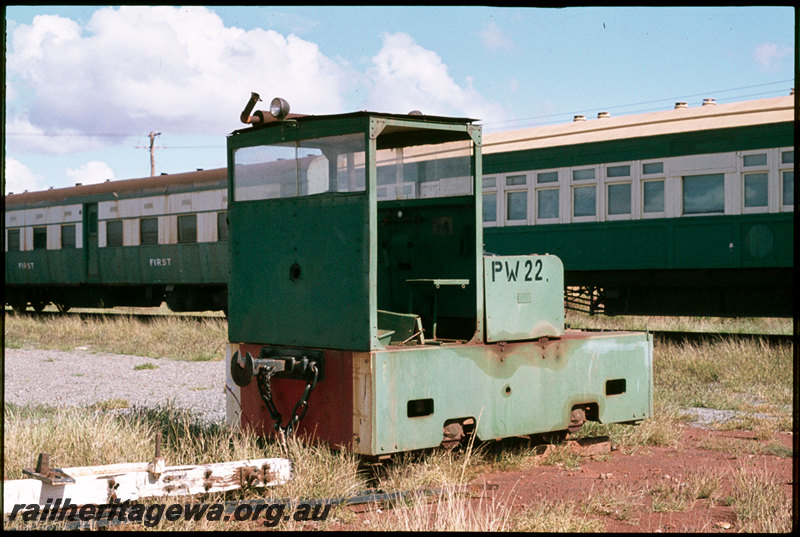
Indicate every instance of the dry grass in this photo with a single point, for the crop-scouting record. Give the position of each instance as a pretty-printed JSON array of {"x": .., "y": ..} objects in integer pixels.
[
  {"x": 555, "y": 516},
  {"x": 760, "y": 503},
  {"x": 451, "y": 510},
  {"x": 113, "y": 432},
  {"x": 161, "y": 337},
  {"x": 748, "y": 378},
  {"x": 619, "y": 502}
]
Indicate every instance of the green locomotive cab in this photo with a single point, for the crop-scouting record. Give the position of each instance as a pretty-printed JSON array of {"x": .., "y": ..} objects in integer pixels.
[{"x": 364, "y": 312}]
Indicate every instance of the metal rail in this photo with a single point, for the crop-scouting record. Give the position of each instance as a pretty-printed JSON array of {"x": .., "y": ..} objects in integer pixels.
[{"x": 359, "y": 498}]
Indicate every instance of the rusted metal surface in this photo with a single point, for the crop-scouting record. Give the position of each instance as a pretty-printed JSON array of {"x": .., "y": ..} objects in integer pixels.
[
  {"x": 260, "y": 117},
  {"x": 576, "y": 419},
  {"x": 453, "y": 434},
  {"x": 157, "y": 465},
  {"x": 43, "y": 472},
  {"x": 245, "y": 116}
]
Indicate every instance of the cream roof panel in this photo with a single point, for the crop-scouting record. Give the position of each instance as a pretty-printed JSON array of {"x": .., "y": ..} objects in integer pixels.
[{"x": 718, "y": 116}]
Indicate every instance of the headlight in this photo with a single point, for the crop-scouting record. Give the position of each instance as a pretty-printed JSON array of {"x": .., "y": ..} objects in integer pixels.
[{"x": 279, "y": 108}]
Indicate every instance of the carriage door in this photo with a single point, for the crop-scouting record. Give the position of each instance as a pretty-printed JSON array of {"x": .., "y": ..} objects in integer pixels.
[{"x": 90, "y": 240}]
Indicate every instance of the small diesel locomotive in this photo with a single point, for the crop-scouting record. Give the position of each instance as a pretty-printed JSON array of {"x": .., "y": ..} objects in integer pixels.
[{"x": 364, "y": 311}]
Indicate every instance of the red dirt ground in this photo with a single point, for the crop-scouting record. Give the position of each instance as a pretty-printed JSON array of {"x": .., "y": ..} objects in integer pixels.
[{"x": 638, "y": 472}]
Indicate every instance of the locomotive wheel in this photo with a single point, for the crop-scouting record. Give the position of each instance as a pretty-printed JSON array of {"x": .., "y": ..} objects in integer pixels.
[
  {"x": 452, "y": 435},
  {"x": 576, "y": 420},
  {"x": 457, "y": 433},
  {"x": 63, "y": 308},
  {"x": 20, "y": 307},
  {"x": 38, "y": 305}
]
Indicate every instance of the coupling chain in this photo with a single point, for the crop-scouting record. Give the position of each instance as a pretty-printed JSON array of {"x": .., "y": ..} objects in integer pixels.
[{"x": 300, "y": 408}]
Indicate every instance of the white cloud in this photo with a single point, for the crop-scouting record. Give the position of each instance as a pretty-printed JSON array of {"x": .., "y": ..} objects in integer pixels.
[
  {"x": 768, "y": 56},
  {"x": 19, "y": 177},
  {"x": 31, "y": 43},
  {"x": 178, "y": 70},
  {"x": 405, "y": 76},
  {"x": 91, "y": 172},
  {"x": 24, "y": 136},
  {"x": 494, "y": 39}
]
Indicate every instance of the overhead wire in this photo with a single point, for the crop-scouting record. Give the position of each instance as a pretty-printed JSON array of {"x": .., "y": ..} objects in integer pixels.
[
  {"x": 558, "y": 117},
  {"x": 529, "y": 121}
]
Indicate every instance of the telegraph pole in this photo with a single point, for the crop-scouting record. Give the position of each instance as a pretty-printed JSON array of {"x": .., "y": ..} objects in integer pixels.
[
  {"x": 152, "y": 155},
  {"x": 152, "y": 136}
]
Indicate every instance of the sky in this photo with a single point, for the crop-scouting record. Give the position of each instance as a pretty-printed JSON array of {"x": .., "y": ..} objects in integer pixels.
[{"x": 86, "y": 85}]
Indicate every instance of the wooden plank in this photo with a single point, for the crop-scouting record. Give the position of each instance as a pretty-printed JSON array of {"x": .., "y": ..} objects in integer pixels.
[{"x": 132, "y": 481}]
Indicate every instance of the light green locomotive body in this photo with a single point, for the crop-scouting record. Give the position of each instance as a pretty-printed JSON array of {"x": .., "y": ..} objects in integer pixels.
[{"x": 363, "y": 309}]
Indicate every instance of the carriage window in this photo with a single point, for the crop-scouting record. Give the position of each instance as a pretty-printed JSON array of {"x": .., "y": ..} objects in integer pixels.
[
  {"x": 619, "y": 199},
  {"x": 755, "y": 190},
  {"x": 583, "y": 175},
  {"x": 618, "y": 171},
  {"x": 490, "y": 200},
  {"x": 13, "y": 240},
  {"x": 68, "y": 236},
  {"x": 516, "y": 205},
  {"x": 222, "y": 227},
  {"x": 547, "y": 198},
  {"x": 759, "y": 159},
  {"x": 653, "y": 196},
  {"x": 148, "y": 231},
  {"x": 39, "y": 238},
  {"x": 547, "y": 177},
  {"x": 490, "y": 206},
  {"x": 788, "y": 187},
  {"x": 516, "y": 200},
  {"x": 547, "y": 203},
  {"x": 114, "y": 233},
  {"x": 187, "y": 228},
  {"x": 704, "y": 193},
  {"x": 583, "y": 201},
  {"x": 787, "y": 179},
  {"x": 651, "y": 168}
]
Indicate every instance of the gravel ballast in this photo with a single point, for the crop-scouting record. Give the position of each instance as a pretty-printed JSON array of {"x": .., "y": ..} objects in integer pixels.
[{"x": 83, "y": 378}]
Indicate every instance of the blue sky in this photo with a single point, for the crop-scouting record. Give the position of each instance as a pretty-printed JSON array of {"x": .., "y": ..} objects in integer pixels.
[{"x": 86, "y": 84}]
